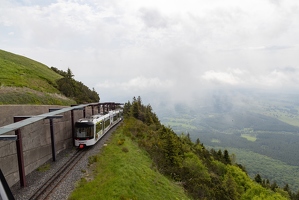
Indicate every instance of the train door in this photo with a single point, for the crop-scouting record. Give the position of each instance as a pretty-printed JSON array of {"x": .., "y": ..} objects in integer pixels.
[{"x": 111, "y": 117}]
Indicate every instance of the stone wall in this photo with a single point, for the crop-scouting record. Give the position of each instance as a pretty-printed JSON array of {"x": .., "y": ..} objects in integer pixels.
[{"x": 36, "y": 138}]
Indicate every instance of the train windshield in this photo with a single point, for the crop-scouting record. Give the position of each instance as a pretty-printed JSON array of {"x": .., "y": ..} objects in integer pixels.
[{"x": 84, "y": 130}]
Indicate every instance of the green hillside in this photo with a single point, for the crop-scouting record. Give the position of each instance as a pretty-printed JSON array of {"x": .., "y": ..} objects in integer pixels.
[
  {"x": 25, "y": 81},
  {"x": 19, "y": 71}
]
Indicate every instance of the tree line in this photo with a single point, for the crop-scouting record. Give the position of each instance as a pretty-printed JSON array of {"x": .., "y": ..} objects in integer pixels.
[{"x": 75, "y": 89}]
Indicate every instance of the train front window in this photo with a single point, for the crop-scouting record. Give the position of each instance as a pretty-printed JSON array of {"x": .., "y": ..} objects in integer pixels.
[{"x": 84, "y": 132}]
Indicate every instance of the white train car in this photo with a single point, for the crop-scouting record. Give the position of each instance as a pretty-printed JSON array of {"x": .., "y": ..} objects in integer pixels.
[{"x": 90, "y": 130}]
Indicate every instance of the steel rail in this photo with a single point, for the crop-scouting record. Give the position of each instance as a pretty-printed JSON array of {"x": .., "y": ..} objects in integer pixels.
[{"x": 47, "y": 188}]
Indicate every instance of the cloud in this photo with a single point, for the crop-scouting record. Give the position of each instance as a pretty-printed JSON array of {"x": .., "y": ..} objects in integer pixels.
[
  {"x": 280, "y": 78},
  {"x": 231, "y": 76},
  {"x": 152, "y": 18},
  {"x": 285, "y": 79},
  {"x": 152, "y": 90},
  {"x": 138, "y": 83},
  {"x": 63, "y": 24},
  {"x": 275, "y": 78},
  {"x": 276, "y": 2},
  {"x": 170, "y": 49}
]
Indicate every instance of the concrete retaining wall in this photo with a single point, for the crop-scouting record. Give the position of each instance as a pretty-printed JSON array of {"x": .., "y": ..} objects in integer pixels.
[{"x": 36, "y": 138}]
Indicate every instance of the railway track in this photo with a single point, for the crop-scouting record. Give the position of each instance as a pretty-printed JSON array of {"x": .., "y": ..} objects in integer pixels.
[
  {"x": 59, "y": 180},
  {"x": 49, "y": 186}
]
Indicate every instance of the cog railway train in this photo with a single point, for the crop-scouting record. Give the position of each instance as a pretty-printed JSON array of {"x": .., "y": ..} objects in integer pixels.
[{"x": 90, "y": 130}]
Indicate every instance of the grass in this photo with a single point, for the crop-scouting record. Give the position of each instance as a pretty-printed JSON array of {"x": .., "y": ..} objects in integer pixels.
[
  {"x": 19, "y": 71},
  {"x": 124, "y": 172},
  {"x": 25, "y": 81},
  {"x": 44, "y": 167},
  {"x": 93, "y": 159},
  {"x": 15, "y": 95}
]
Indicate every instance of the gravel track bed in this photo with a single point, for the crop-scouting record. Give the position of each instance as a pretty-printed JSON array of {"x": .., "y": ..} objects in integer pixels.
[{"x": 35, "y": 179}]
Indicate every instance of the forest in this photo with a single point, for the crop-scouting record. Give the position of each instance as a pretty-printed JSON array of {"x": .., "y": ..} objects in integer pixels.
[{"x": 204, "y": 173}]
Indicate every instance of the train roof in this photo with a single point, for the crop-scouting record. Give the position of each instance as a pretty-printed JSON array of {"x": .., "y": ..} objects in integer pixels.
[
  {"x": 97, "y": 117},
  {"x": 92, "y": 119},
  {"x": 84, "y": 123}
]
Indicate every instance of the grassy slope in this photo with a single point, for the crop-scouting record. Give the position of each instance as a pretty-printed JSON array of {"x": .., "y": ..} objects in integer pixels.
[
  {"x": 20, "y": 71},
  {"x": 126, "y": 175},
  {"x": 25, "y": 81},
  {"x": 17, "y": 95}
]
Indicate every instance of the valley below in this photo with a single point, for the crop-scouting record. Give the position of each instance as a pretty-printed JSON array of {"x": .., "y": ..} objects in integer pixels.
[{"x": 260, "y": 131}]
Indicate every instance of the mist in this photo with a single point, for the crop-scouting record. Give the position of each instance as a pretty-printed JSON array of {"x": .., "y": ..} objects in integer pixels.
[{"x": 196, "y": 53}]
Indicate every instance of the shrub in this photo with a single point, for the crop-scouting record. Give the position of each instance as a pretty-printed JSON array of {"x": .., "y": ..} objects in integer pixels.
[
  {"x": 92, "y": 159},
  {"x": 44, "y": 167},
  {"x": 125, "y": 149}
]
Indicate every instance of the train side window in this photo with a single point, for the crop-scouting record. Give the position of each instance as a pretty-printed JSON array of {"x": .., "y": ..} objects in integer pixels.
[
  {"x": 107, "y": 123},
  {"x": 98, "y": 126}
]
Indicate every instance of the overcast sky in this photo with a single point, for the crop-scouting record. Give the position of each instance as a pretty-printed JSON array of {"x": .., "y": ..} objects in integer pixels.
[{"x": 159, "y": 49}]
